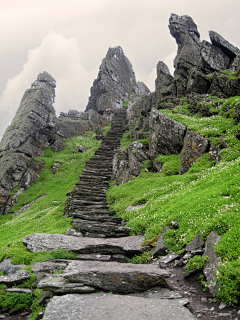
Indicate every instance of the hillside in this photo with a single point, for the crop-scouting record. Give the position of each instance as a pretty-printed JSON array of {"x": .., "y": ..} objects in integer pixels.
[{"x": 156, "y": 209}]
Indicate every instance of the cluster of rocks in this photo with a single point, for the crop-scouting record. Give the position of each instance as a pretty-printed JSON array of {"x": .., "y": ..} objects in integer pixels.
[
  {"x": 166, "y": 137},
  {"x": 200, "y": 68}
]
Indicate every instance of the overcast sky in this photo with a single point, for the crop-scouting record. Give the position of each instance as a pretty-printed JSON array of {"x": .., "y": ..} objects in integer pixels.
[{"x": 69, "y": 39}]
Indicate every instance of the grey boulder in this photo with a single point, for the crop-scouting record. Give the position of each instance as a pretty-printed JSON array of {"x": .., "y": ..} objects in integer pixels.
[
  {"x": 111, "y": 276},
  {"x": 166, "y": 135}
]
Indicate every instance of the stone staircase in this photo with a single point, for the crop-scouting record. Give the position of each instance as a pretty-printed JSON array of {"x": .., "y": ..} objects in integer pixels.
[
  {"x": 103, "y": 245},
  {"x": 87, "y": 201}
]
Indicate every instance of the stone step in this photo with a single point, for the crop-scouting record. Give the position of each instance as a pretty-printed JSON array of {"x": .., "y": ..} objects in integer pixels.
[
  {"x": 47, "y": 242},
  {"x": 114, "y": 307},
  {"x": 87, "y": 197},
  {"x": 106, "y": 229},
  {"x": 91, "y": 211},
  {"x": 96, "y": 217},
  {"x": 110, "y": 276}
]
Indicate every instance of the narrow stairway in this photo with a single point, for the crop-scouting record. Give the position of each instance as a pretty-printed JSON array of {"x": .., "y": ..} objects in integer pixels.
[{"x": 87, "y": 201}]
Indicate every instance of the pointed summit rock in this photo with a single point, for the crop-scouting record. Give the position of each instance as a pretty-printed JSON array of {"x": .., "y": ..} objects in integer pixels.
[
  {"x": 187, "y": 37},
  {"x": 30, "y": 132},
  {"x": 115, "y": 83}
]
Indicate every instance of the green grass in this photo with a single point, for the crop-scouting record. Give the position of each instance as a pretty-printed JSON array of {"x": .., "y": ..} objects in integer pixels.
[
  {"x": 205, "y": 199},
  {"x": 212, "y": 128},
  {"x": 46, "y": 215},
  {"x": 171, "y": 164},
  {"x": 228, "y": 74}
]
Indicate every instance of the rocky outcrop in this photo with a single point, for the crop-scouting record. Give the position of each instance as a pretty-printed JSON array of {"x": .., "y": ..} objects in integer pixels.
[
  {"x": 31, "y": 130},
  {"x": 225, "y": 46},
  {"x": 214, "y": 57},
  {"x": 194, "y": 147},
  {"x": 166, "y": 135},
  {"x": 163, "y": 81},
  {"x": 127, "y": 164},
  {"x": 114, "y": 84},
  {"x": 212, "y": 263},
  {"x": 195, "y": 60},
  {"x": 187, "y": 37}
]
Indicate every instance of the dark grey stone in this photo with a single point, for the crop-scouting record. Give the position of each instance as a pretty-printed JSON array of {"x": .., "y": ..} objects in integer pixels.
[
  {"x": 194, "y": 147},
  {"x": 210, "y": 267},
  {"x": 214, "y": 57},
  {"x": 166, "y": 135},
  {"x": 187, "y": 37},
  {"x": 161, "y": 248},
  {"x": 112, "y": 276},
  {"x": 195, "y": 244},
  {"x": 214, "y": 153},
  {"x": 58, "y": 146},
  {"x": 9, "y": 268},
  {"x": 47, "y": 242},
  {"x": 163, "y": 80},
  {"x": 82, "y": 148},
  {"x": 218, "y": 41},
  {"x": 114, "y": 84}
]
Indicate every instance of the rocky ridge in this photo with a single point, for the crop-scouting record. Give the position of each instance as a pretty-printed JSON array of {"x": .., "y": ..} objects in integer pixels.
[{"x": 115, "y": 83}]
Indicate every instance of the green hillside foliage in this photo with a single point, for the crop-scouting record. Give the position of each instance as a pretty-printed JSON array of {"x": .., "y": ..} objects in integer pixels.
[
  {"x": 45, "y": 216},
  {"x": 205, "y": 199}
]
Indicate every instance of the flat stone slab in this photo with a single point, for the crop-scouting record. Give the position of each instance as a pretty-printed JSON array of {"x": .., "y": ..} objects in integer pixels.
[
  {"x": 17, "y": 277},
  {"x": 47, "y": 266},
  {"x": 107, "y": 306},
  {"x": 47, "y": 242},
  {"x": 111, "y": 276}
]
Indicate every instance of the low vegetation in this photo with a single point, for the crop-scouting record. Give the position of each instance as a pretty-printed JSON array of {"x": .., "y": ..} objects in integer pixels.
[
  {"x": 206, "y": 198},
  {"x": 45, "y": 216}
]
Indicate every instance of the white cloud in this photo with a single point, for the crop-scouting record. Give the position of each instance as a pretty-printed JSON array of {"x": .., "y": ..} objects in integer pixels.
[{"x": 61, "y": 57}]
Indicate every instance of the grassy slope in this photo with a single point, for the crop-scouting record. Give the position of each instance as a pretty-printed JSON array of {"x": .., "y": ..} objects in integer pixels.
[
  {"x": 204, "y": 199},
  {"x": 45, "y": 216}
]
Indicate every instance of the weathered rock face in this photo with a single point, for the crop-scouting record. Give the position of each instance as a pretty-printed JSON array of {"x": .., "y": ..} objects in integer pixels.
[
  {"x": 214, "y": 57},
  {"x": 127, "y": 164},
  {"x": 194, "y": 147},
  {"x": 213, "y": 261},
  {"x": 114, "y": 84},
  {"x": 187, "y": 37},
  {"x": 166, "y": 135},
  {"x": 163, "y": 81},
  {"x": 31, "y": 130},
  {"x": 224, "y": 45}
]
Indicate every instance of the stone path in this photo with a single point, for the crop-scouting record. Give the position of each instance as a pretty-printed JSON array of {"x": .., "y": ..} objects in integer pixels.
[{"x": 103, "y": 244}]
